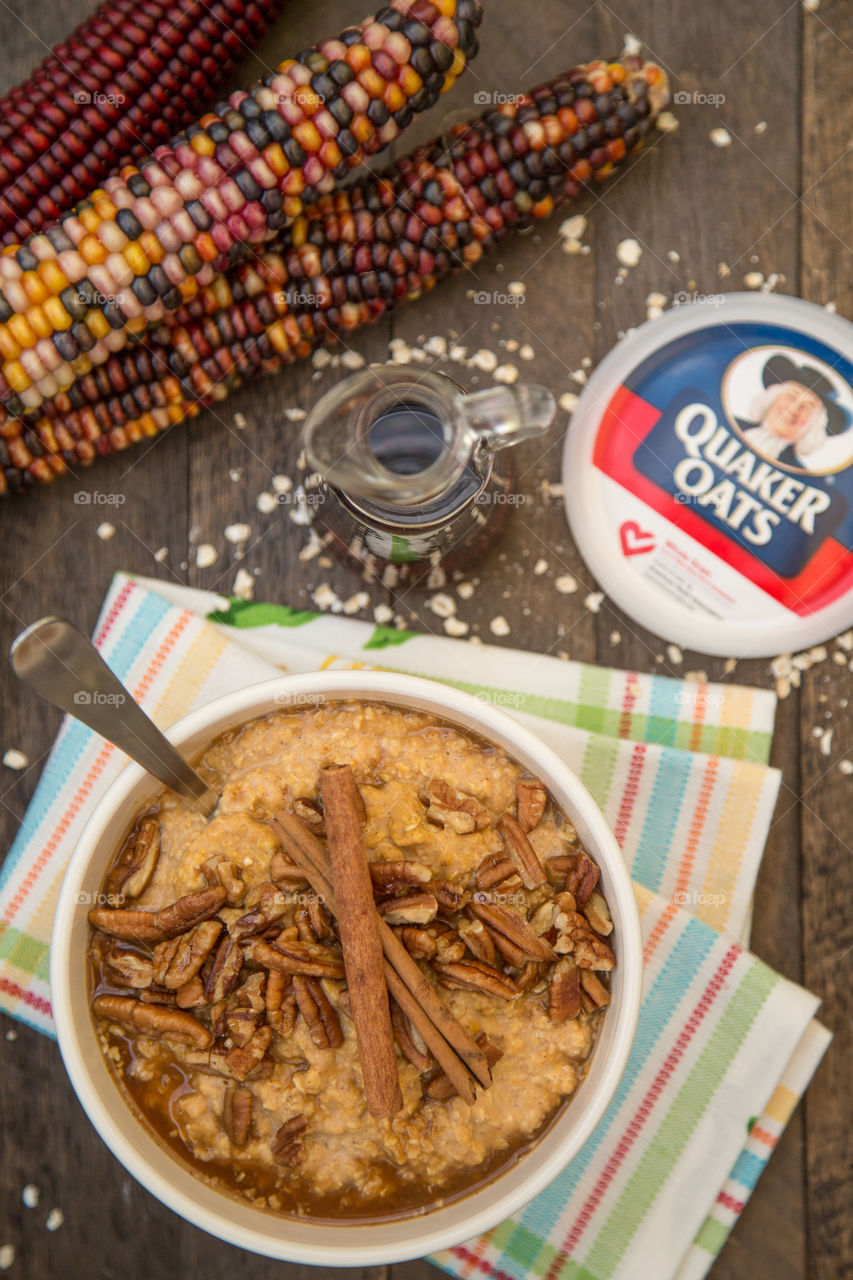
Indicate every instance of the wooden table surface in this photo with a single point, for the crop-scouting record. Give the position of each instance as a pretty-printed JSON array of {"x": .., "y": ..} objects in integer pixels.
[{"x": 777, "y": 200}]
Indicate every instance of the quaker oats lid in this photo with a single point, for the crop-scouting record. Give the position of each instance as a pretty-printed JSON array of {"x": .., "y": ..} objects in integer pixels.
[{"x": 708, "y": 474}]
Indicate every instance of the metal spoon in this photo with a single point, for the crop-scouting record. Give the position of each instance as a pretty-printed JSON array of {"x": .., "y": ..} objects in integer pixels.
[{"x": 63, "y": 666}]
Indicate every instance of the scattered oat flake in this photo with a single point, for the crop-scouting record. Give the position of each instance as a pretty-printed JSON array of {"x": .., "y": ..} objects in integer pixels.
[
  {"x": 437, "y": 578},
  {"x": 485, "y": 360},
  {"x": 761, "y": 127},
  {"x": 674, "y": 654},
  {"x": 465, "y": 590},
  {"x": 436, "y": 345},
  {"x": 54, "y": 1220},
  {"x": 456, "y": 627},
  {"x": 656, "y": 300},
  {"x": 566, "y": 584},
  {"x": 811, "y": 6},
  {"x": 594, "y": 601},
  {"x": 11, "y": 1034},
  {"x": 826, "y": 742},
  {"x": 633, "y": 45},
  {"x": 160, "y": 554},
  {"x": 667, "y": 122},
  {"x": 282, "y": 484},
  {"x": 673, "y": 255},
  {"x": 352, "y": 360},
  {"x": 442, "y": 605},
  {"x": 401, "y": 352},
  {"x": 629, "y": 252},
  {"x": 295, "y": 414},
  {"x": 239, "y": 421},
  {"x": 206, "y": 555},
  {"x": 499, "y": 626},
  {"x": 573, "y": 228},
  {"x": 517, "y": 288},
  {"x": 720, "y": 137},
  {"x": 553, "y": 489},
  {"x": 615, "y": 637},
  {"x": 299, "y": 513},
  {"x": 31, "y": 1195},
  {"x": 244, "y": 585},
  {"x": 105, "y": 531},
  {"x": 457, "y": 352},
  {"x": 266, "y": 503},
  {"x": 237, "y": 533},
  {"x": 753, "y": 279},
  {"x": 355, "y": 603},
  {"x": 236, "y": 474},
  {"x": 540, "y": 567},
  {"x": 325, "y": 597},
  {"x": 696, "y": 677},
  {"x": 14, "y": 759},
  {"x": 845, "y": 767},
  {"x": 7, "y": 1256},
  {"x": 568, "y": 401},
  {"x": 783, "y": 688},
  {"x": 525, "y": 351},
  {"x": 506, "y": 373},
  {"x": 729, "y": 666},
  {"x": 321, "y": 358},
  {"x": 781, "y": 666},
  {"x": 383, "y": 614}
]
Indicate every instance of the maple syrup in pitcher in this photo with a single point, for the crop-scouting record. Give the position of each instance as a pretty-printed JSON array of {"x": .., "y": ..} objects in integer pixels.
[{"x": 409, "y": 473}]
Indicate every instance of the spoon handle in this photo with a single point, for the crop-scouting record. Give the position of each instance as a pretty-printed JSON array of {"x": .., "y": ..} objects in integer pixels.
[{"x": 64, "y": 667}]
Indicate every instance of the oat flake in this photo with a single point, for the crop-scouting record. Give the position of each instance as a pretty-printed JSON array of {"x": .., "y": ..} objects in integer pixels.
[
  {"x": 55, "y": 1219},
  {"x": 567, "y": 584},
  {"x": 14, "y": 759},
  {"x": 499, "y": 626},
  {"x": 206, "y": 555}
]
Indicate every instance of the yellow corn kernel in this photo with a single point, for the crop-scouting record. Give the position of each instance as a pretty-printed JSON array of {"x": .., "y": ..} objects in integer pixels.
[
  {"x": 134, "y": 256},
  {"x": 90, "y": 219},
  {"x": 58, "y": 317},
  {"x": 202, "y": 144},
  {"x": 76, "y": 368},
  {"x": 9, "y": 348},
  {"x": 91, "y": 250},
  {"x": 34, "y": 287},
  {"x": 53, "y": 276},
  {"x": 97, "y": 324},
  {"x": 276, "y": 159},
  {"x": 16, "y": 375},
  {"x": 151, "y": 247},
  {"x": 104, "y": 206},
  {"x": 137, "y": 325},
  {"x": 22, "y": 331},
  {"x": 39, "y": 321},
  {"x": 458, "y": 64},
  {"x": 445, "y": 7}
]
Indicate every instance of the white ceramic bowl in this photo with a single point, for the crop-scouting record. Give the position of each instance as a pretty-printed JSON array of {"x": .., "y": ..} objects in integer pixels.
[{"x": 240, "y": 1224}]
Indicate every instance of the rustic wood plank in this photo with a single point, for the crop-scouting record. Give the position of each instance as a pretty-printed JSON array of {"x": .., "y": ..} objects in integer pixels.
[{"x": 827, "y": 869}]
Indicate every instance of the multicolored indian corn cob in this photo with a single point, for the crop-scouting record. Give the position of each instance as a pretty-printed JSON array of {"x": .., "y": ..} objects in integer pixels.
[
  {"x": 126, "y": 79},
  {"x": 348, "y": 260},
  {"x": 74, "y": 294}
]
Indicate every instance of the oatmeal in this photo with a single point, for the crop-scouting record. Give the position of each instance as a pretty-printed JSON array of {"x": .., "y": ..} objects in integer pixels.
[{"x": 220, "y": 963}]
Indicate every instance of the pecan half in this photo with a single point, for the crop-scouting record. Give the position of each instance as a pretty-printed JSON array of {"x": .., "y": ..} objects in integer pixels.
[
  {"x": 478, "y": 940},
  {"x": 512, "y": 954},
  {"x": 280, "y": 1002},
  {"x": 225, "y": 971},
  {"x": 155, "y": 1020},
  {"x": 418, "y": 942},
  {"x": 189, "y": 911},
  {"x": 177, "y": 960},
  {"x": 319, "y": 919},
  {"x": 237, "y": 1114},
  {"x": 286, "y": 1147},
  {"x": 299, "y": 957},
  {"x": 415, "y": 908},
  {"x": 558, "y": 866},
  {"x": 191, "y": 994},
  {"x": 582, "y": 878},
  {"x": 474, "y": 975},
  {"x": 127, "y": 968},
  {"x": 531, "y": 799},
  {"x": 441, "y": 1088},
  {"x": 285, "y": 874},
  {"x": 309, "y": 812},
  {"x": 222, "y": 871},
  {"x": 564, "y": 997},
  {"x": 323, "y": 1023},
  {"x": 506, "y": 922},
  {"x": 597, "y": 913},
  {"x": 389, "y": 877},
  {"x": 250, "y": 993},
  {"x": 450, "y": 807},
  {"x": 531, "y": 974},
  {"x": 594, "y": 988},
  {"x": 576, "y": 938},
  {"x": 242, "y": 1060},
  {"x": 157, "y": 995},
  {"x": 449, "y": 896},
  {"x": 135, "y": 865},
  {"x": 496, "y": 868},
  {"x": 241, "y": 1025},
  {"x": 521, "y": 852},
  {"x": 541, "y": 918},
  {"x": 448, "y": 944},
  {"x": 130, "y": 924},
  {"x": 267, "y": 906},
  {"x": 407, "y": 1039}
]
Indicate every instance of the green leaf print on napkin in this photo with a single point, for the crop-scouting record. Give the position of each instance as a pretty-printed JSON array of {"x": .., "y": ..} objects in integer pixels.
[
  {"x": 246, "y": 613},
  {"x": 384, "y": 636}
]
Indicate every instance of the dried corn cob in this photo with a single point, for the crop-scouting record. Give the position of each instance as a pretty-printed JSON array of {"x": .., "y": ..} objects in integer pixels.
[
  {"x": 72, "y": 295},
  {"x": 125, "y": 80},
  {"x": 348, "y": 260}
]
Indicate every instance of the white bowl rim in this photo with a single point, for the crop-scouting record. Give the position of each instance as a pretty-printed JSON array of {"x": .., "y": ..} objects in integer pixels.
[{"x": 332, "y": 1245}]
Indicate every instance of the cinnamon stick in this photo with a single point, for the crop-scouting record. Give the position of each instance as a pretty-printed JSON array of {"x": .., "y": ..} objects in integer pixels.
[
  {"x": 359, "y": 929},
  {"x": 451, "y": 1046}
]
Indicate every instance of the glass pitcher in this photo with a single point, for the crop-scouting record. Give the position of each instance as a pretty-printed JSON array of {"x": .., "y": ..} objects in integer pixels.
[{"x": 410, "y": 473}]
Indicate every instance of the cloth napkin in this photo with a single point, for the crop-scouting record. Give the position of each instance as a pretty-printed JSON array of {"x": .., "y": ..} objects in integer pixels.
[{"x": 725, "y": 1047}]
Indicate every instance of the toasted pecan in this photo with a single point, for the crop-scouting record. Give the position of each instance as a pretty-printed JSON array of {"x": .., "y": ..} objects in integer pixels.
[
  {"x": 521, "y": 852},
  {"x": 237, "y": 1113},
  {"x": 155, "y": 1020},
  {"x": 531, "y": 799},
  {"x": 508, "y": 923},
  {"x": 474, "y": 975}
]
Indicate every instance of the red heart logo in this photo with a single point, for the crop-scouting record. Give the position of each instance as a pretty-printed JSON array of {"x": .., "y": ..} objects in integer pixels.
[{"x": 635, "y": 541}]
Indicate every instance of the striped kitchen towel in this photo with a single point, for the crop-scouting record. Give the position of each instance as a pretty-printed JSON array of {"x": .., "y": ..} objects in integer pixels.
[{"x": 725, "y": 1046}]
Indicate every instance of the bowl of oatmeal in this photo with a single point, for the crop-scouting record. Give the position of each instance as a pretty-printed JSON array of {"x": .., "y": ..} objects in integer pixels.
[{"x": 212, "y": 976}]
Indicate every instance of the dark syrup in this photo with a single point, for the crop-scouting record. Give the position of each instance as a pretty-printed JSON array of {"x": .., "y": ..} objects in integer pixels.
[{"x": 407, "y": 440}]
